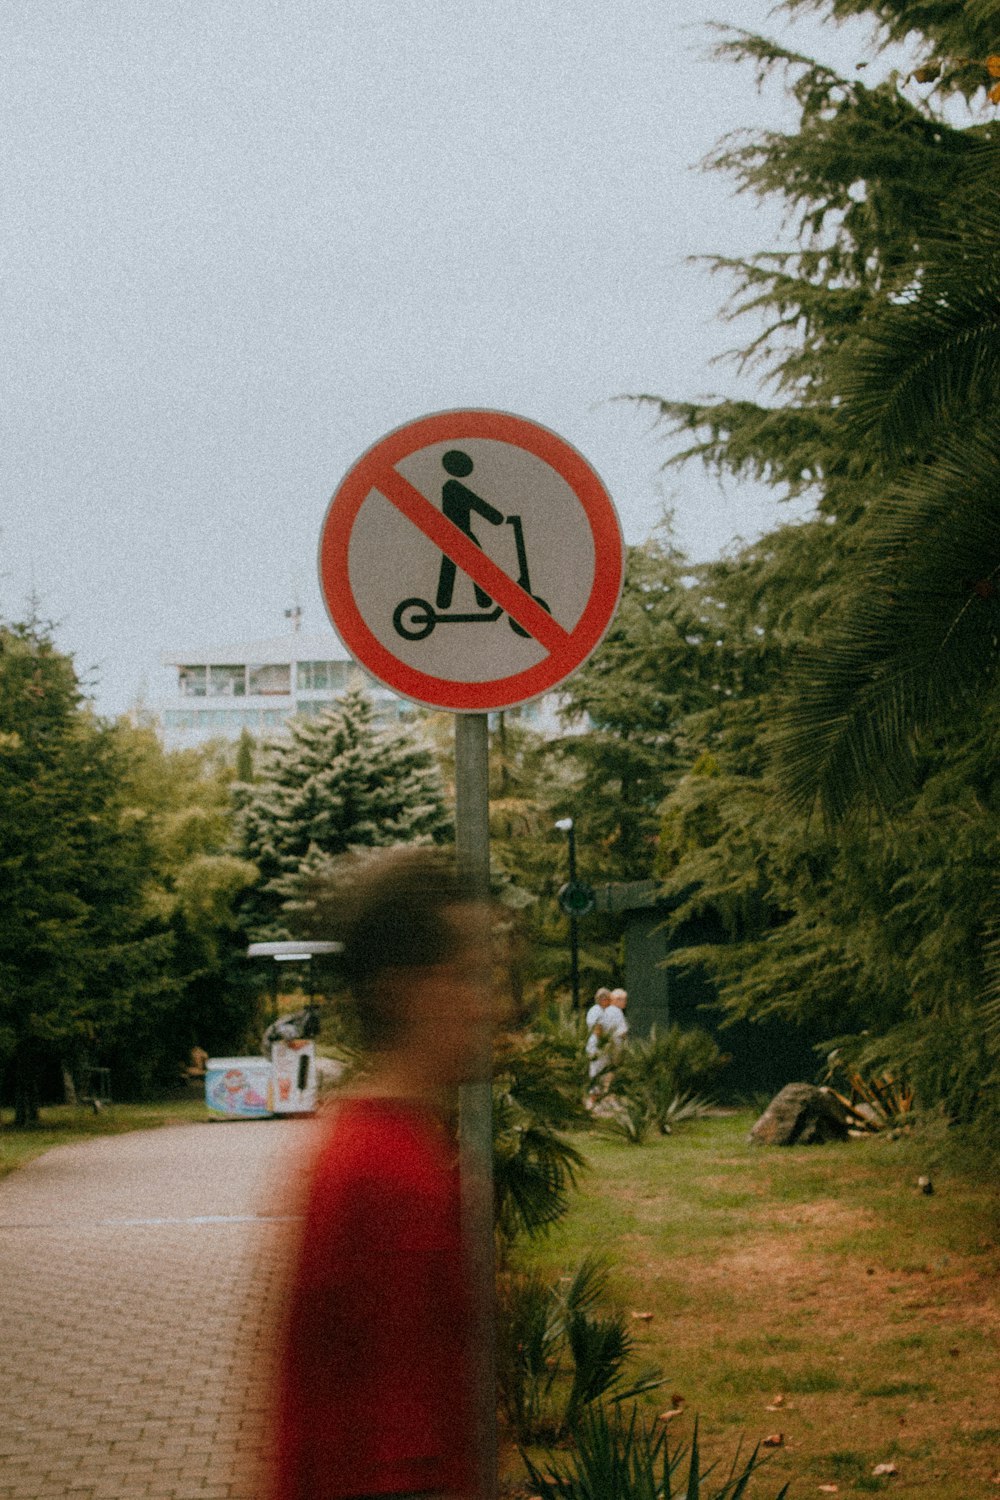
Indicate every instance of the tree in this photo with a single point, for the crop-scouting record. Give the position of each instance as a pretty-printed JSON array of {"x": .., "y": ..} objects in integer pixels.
[
  {"x": 335, "y": 782},
  {"x": 77, "y": 956},
  {"x": 878, "y": 340},
  {"x": 182, "y": 800},
  {"x": 655, "y": 666}
]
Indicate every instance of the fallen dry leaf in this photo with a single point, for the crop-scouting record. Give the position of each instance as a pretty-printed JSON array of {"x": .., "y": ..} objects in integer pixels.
[
  {"x": 829, "y": 1489},
  {"x": 643, "y": 1317},
  {"x": 676, "y": 1399},
  {"x": 885, "y": 1469},
  {"x": 775, "y": 1440},
  {"x": 778, "y": 1400},
  {"x": 668, "y": 1416}
]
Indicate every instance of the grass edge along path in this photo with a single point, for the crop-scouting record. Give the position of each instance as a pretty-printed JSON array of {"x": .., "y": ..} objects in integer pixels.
[
  {"x": 64, "y": 1124},
  {"x": 814, "y": 1296}
]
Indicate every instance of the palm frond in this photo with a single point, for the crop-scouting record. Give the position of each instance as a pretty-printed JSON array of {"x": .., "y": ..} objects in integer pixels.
[
  {"x": 918, "y": 635},
  {"x": 931, "y": 355}
]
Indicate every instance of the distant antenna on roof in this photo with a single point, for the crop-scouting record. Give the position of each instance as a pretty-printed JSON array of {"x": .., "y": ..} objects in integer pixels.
[{"x": 295, "y": 615}]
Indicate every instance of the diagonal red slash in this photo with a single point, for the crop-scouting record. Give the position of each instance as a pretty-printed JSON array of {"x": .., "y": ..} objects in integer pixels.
[{"x": 451, "y": 540}]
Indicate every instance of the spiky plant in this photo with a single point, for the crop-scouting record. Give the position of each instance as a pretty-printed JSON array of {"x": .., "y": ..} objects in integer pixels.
[
  {"x": 617, "y": 1457},
  {"x": 559, "y": 1350},
  {"x": 655, "y": 1078}
]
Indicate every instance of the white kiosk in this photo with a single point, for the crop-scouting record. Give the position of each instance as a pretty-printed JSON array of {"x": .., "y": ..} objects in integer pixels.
[{"x": 293, "y": 1088}]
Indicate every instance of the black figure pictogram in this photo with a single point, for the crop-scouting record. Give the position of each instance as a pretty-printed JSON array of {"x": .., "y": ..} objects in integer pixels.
[
  {"x": 459, "y": 504},
  {"x": 414, "y": 619}
]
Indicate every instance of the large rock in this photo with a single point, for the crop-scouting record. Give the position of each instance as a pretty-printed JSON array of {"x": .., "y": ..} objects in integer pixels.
[{"x": 801, "y": 1115}]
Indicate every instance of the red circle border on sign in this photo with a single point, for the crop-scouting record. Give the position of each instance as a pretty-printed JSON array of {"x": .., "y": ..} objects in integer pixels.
[{"x": 500, "y": 692}]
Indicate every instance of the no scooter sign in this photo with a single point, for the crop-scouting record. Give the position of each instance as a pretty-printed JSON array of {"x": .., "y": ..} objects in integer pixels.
[{"x": 471, "y": 560}]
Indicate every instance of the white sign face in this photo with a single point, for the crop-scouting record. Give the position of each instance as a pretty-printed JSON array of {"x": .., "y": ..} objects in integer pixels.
[{"x": 471, "y": 560}]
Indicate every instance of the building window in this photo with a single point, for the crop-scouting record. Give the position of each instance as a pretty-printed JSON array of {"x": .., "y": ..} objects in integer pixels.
[
  {"x": 227, "y": 682},
  {"x": 268, "y": 680},
  {"x": 192, "y": 681},
  {"x": 323, "y": 676}
]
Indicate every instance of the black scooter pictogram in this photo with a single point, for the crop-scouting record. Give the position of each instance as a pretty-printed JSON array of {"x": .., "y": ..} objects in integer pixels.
[{"x": 415, "y": 618}]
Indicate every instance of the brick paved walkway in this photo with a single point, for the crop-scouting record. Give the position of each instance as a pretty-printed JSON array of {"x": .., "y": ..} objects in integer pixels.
[{"x": 141, "y": 1276}]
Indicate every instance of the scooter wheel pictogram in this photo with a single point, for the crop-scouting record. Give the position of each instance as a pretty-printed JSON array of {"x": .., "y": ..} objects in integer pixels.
[
  {"x": 519, "y": 629},
  {"x": 414, "y": 619}
]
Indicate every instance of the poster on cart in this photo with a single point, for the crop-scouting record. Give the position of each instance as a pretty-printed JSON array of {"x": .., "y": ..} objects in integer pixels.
[
  {"x": 293, "y": 1069},
  {"x": 239, "y": 1088}
]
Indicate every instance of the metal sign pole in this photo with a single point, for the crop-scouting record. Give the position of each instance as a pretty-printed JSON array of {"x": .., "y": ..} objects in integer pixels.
[{"x": 472, "y": 839}]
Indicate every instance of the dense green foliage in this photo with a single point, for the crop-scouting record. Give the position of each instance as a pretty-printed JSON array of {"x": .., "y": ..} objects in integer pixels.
[
  {"x": 119, "y": 943},
  {"x": 193, "y": 887},
  {"x": 871, "y": 632},
  {"x": 628, "y": 715},
  {"x": 77, "y": 958}
]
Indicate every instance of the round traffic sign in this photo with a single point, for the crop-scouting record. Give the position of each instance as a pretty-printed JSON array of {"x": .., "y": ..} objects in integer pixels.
[{"x": 471, "y": 560}]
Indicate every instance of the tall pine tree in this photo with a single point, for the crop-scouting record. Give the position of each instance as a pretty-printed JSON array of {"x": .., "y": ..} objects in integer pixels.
[{"x": 335, "y": 782}]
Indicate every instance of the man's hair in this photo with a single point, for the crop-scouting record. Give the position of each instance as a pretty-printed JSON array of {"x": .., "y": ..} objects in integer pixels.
[{"x": 394, "y": 910}]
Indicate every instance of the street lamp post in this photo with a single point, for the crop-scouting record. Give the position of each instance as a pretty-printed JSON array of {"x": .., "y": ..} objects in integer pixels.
[{"x": 566, "y": 825}]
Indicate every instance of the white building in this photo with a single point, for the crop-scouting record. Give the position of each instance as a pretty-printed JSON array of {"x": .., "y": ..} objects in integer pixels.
[{"x": 257, "y": 685}]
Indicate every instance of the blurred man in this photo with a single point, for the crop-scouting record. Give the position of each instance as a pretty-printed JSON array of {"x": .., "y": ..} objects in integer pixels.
[{"x": 374, "y": 1397}]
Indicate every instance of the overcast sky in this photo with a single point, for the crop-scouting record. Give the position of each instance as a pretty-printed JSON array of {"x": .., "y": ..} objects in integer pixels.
[{"x": 242, "y": 239}]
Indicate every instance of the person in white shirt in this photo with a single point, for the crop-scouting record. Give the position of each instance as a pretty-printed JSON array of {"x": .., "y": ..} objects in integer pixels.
[
  {"x": 619, "y": 1000},
  {"x": 601, "y": 998},
  {"x": 607, "y": 1031}
]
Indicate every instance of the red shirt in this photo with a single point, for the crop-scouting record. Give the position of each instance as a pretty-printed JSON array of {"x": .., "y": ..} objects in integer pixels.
[{"x": 373, "y": 1395}]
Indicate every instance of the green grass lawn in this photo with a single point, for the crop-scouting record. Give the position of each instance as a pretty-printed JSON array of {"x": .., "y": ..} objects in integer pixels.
[
  {"x": 816, "y": 1281},
  {"x": 61, "y": 1123}
]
